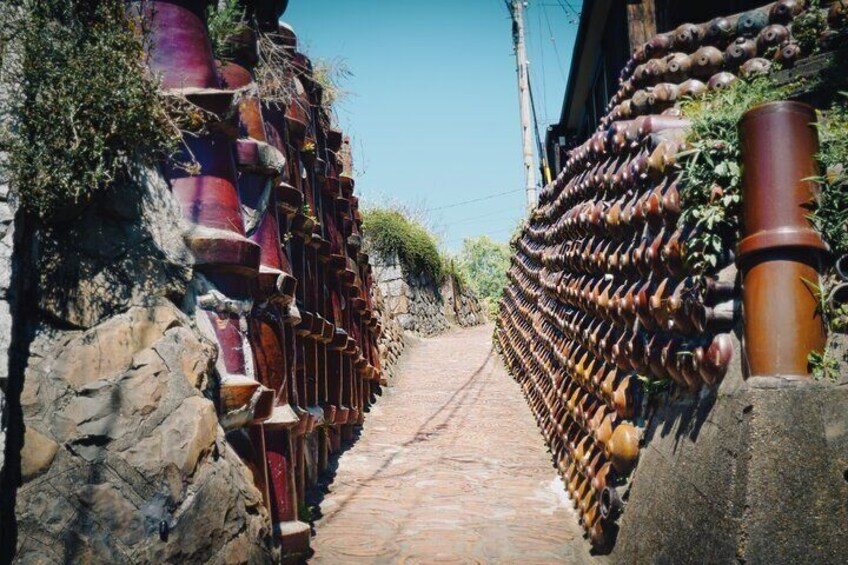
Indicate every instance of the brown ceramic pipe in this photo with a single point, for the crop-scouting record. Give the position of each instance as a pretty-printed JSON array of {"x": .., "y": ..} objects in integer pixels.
[{"x": 781, "y": 255}]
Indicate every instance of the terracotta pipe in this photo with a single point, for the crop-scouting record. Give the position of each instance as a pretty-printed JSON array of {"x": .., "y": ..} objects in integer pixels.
[{"x": 781, "y": 254}]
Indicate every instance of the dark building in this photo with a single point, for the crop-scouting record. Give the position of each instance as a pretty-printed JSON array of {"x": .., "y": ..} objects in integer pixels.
[{"x": 609, "y": 31}]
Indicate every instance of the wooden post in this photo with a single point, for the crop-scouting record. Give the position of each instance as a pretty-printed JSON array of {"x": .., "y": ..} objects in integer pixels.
[{"x": 641, "y": 22}]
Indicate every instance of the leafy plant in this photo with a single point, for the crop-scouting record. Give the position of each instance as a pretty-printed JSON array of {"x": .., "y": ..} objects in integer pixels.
[
  {"x": 823, "y": 366},
  {"x": 304, "y": 512},
  {"x": 81, "y": 110},
  {"x": 653, "y": 387},
  {"x": 830, "y": 213},
  {"x": 390, "y": 231},
  {"x": 454, "y": 271},
  {"x": 808, "y": 27},
  {"x": 486, "y": 262},
  {"x": 225, "y": 20},
  {"x": 710, "y": 177},
  {"x": 330, "y": 75}
]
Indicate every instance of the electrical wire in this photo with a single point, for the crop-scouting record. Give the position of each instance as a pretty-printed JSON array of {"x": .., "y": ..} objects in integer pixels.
[
  {"x": 473, "y": 219},
  {"x": 489, "y": 233},
  {"x": 473, "y": 200},
  {"x": 560, "y": 64},
  {"x": 542, "y": 59}
]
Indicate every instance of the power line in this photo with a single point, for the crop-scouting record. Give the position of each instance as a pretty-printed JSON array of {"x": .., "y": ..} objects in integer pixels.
[
  {"x": 490, "y": 232},
  {"x": 542, "y": 58},
  {"x": 560, "y": 65},
  {"x": 488, "y": 216},
  {"x": 473, "y": 200}
]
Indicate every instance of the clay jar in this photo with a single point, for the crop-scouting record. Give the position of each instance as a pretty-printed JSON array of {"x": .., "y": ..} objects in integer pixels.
[
  {"x": 740, "y": 51},
  {"x": 622, "y": 450},
  {"x": 721, "y": 81},
  {"x": 750, "y": 23},
  {"x": 687, "y": 37},
  {"x": 706, "y": 61},
  {"x": 771, "y": 37},
  {"x": 784, "y": 11},
  {"x": 677, "y": 67},
  {"x": 719, "y": 32}
]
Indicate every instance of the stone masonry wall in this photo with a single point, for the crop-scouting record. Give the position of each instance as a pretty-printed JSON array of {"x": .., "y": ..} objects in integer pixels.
[
  {"x": 6, "y": 245},
  {"x": 461, "y": 305},
  {"x": 392, "y": 341},
  {"x": 122, "y": 459},
  {"x": 419, "y": 304},
  {"x": 414, "y": 301}
]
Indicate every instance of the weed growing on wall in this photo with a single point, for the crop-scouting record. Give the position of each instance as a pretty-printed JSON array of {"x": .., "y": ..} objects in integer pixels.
[
  {"x": 454, "y": 271},
  {"x": 710, "y": 173},
  {"x": 830, "y": 216},
  {"x": 273, "y": 70},
  {"x": 81, "y": 109},
  {"x": 225, "y": 20},
  {"x": 391, "y": 232}
]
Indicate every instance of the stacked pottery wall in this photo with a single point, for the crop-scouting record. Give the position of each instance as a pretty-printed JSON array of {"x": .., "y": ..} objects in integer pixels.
[
  {"x": 183, "y": 394},
  {"x": 602, "y": 305}
]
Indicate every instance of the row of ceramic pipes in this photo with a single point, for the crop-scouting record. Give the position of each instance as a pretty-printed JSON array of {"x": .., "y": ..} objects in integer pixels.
[
  {"x": 618, "y": 186},
  {"x": 628, "y": 137},
  {"x": 700, "y": 359},
  {"x": 620, "y": 312},
  {"x": 690, "y": 305},
  {"x": 593, "y": 448},
  {"x": 311, "y": 337},
  {"x": 737, "y": 43}
]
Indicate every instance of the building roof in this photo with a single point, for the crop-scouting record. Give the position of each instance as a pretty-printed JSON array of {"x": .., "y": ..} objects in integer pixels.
[{"x": 593, "y": 18}]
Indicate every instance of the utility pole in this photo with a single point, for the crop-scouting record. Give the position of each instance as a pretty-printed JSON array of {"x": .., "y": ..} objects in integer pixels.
[{"x": 516, "y": 8}]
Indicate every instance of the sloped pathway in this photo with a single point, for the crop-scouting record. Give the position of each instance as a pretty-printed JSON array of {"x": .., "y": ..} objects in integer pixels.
[{"x": 450, "y": 467}]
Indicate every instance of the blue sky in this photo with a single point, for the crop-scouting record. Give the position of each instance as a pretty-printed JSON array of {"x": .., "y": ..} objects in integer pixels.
[{"x": 433, "y": 103}]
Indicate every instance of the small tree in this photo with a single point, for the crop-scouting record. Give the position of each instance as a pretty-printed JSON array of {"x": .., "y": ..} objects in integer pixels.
[{"x": 485, "y": 262}]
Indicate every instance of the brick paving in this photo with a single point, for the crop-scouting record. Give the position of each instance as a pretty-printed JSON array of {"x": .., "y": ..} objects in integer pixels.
[{"x": 450, "y": 467}]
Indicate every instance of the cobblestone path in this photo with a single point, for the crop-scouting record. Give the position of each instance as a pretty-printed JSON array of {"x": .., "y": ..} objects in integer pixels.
[{"x": 449, "y": 468}]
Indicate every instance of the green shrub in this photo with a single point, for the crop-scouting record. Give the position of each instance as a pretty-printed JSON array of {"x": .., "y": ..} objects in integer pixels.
[
  {"x": 82, "y": 110},
  {"x": 710, "y": 171},
  {"x": 224, "y": 20},
  {"x": 390, "y": 231},
  {"x": 484, "y": 263},
  {"x": 831, "y": 214}
]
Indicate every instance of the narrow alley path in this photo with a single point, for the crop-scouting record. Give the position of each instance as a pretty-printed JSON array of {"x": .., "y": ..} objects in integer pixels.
[{"x": 450, "y": 467}]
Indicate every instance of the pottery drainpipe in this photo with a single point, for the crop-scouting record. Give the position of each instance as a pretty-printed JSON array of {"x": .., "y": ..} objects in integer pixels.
[{"x": 780, "y": 256}]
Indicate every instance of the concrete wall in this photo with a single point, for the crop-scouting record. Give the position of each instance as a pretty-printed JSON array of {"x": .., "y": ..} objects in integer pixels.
[{"x": 753, "y": 472}]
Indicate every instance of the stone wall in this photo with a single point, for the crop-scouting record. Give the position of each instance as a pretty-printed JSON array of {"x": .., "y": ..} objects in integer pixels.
[
  {"x": 420, "y": 305},
  {"x": 6, "y": 247},
  {"x": 392, "y": 340},
  {"x": 462, "y": 306},
  {"x": 122, "y": 456},
  {"x": 179, "y": 361}
]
